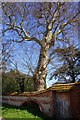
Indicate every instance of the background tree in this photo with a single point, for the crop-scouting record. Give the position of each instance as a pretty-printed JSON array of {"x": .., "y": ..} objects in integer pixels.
[
  {"x": 42, "y": 23},
  {"x": 70, "y": 58},
  {"x": 7, "y": 83},
  {"x": 6, "y": 50},
  {"x": 15, "y": 81},
  {"x": 25, "y": 82}
]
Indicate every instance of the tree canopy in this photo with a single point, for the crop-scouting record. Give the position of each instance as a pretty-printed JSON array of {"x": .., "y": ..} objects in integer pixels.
[
  {"x": 15, "y": 81},
  {"x": 70, "y": 56}
]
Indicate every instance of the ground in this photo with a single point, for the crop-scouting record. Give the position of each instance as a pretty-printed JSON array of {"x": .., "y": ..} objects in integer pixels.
[{"x": 11, "y": 112}]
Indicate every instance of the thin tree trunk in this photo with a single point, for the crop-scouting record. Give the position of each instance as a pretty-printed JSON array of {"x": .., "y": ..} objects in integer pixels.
[
  {"x": 73, "y": 77},
  {"x": 22, "y": 85},
  {"x": 41, "y": 71}
]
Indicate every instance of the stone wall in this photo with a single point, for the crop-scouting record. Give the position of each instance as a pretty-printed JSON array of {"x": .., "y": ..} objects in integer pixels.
[
  {"x": 67, "y": 101},
  {"x": 62, "y": 105},
  {"x": 75, "y": 101},
  {"x": 60, "y": 100},
  {"x": 44, "y": 100}
]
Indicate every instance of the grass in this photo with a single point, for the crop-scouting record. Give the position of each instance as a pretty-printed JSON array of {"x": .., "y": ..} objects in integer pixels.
[{"x": 11, "y": 112}]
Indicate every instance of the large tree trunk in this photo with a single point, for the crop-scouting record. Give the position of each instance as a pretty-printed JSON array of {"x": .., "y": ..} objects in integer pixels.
[{"x": 41, "y": 70}]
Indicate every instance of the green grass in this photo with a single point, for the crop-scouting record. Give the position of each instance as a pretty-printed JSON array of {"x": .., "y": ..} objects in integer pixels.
[{"x": 11, "y": 112}]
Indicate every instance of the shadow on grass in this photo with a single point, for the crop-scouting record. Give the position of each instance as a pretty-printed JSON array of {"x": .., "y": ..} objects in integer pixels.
[
  {"x": 34, "y": 108},
  {"x": 31, "y": 108}
]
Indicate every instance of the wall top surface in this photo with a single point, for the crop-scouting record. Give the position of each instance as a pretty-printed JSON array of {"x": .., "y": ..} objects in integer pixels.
[{"x": 54, "y": 88}]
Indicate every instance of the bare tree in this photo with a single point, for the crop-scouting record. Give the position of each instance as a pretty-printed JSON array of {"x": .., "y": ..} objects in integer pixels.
[
  {"x": 42, "y": 23},
  {"x": 7, "y": 48}
]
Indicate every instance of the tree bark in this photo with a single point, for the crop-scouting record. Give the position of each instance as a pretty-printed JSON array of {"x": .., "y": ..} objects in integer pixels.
[
  {"x": 41, "y": 71},
  {"x": 22, "y": 85}
]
